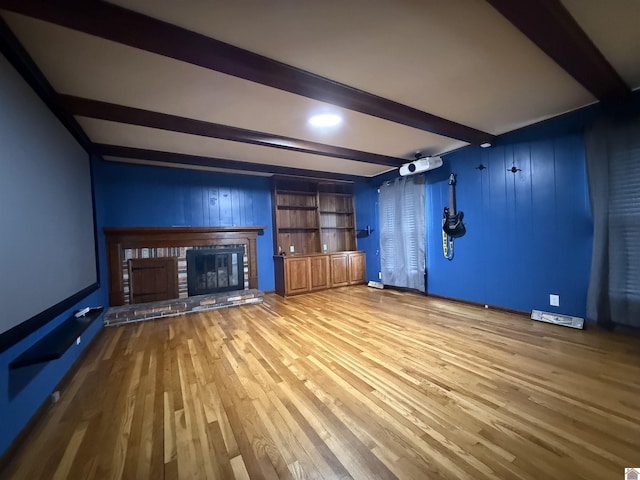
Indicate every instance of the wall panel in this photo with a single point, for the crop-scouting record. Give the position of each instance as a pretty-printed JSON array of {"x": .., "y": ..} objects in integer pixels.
[{"x": 528, "y": 232}]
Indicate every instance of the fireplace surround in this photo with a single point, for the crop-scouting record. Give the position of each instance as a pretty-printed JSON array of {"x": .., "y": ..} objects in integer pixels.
[{"x": 119, "y": 240}]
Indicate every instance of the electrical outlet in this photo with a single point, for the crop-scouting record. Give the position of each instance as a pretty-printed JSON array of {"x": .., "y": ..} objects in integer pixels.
[
  {"x": 379, "y": 275},
  {"x": 554, "y": 300},
  {"x": 324, "y": 247},
  {"x": 78, "y": 341},
  {"x": 291, "y": 249},
  {"x": 55, "y": 396}
]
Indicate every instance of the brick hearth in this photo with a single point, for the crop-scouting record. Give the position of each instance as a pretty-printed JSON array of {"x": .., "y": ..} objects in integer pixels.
[{"x": 180, "y": 306}]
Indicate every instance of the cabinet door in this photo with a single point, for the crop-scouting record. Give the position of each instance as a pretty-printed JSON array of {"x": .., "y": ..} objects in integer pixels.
[
  {"x": 153, "y": 279},
  {"x": 297, "y": 275},
  {"x": 319, "y": 272},
  {"x": 357, "y": 268},
  {"x": 339, "y": 270}
]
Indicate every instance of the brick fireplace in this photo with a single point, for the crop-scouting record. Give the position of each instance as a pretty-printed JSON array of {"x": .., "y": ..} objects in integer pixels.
[{"x": 126, "y": 245}]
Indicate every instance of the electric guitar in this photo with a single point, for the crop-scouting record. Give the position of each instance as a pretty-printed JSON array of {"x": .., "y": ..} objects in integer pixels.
[{"x": 452, "y": 221}]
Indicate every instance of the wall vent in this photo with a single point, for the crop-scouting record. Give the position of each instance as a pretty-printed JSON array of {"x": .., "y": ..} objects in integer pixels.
[{"x": 558, "y": 319}]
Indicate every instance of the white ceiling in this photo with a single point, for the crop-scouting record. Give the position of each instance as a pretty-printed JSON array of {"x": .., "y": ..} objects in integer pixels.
[{"x": 460, "y": 60}]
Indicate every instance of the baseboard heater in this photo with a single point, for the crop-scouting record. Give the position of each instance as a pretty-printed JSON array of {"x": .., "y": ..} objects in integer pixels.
[{"x": 558, "y": 319}]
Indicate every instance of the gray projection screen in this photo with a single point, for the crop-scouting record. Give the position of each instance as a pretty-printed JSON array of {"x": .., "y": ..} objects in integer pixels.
[{"x": 47, "y": 240}]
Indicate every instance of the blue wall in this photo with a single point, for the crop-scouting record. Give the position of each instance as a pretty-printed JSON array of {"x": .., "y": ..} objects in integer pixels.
[
  {"x": 366, "y": 205},
  {"x": 24, "y": 390},
  {"x": 529, "y": 233},
  {"x": 146, "y": 196}
]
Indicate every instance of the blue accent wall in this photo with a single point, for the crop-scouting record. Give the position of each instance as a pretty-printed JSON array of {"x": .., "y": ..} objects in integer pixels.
[
  {"x": 24, "y": 390},
  {"x": 529, "y": 233},
  {"x": 367, "y": 215},
  {"x": 149, "y": 196}
]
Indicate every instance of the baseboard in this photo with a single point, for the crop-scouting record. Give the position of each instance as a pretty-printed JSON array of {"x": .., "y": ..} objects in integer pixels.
[
  {"x": 481, "y": 305},
  {"x": 37, "y": 417}
]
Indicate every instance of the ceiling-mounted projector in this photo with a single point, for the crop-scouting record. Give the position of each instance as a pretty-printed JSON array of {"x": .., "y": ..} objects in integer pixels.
[{"x": 420, "y": 165}]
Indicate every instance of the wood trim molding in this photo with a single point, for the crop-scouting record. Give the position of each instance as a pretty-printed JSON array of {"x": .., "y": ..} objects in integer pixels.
[
  {"x": 124, "y": 26},
  {"x": 136, "y": 116},
  {"x": 549, "y": 25},
  {"x": 119, "y": 238},
  {"x": 184, "y": 159}
]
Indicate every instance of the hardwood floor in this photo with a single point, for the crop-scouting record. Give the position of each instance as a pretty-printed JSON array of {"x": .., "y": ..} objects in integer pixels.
[{"x": 348, "y": 383}]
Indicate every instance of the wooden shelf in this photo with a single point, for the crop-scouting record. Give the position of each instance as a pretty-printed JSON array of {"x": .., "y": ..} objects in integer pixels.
[
  {"x": 53, "y": 345},
  {"x": 294, "y": 207},
  {"x": 297, "y": 192},
  {"x": 301, "y": 208},
  {"x": 298, "y": 229}
]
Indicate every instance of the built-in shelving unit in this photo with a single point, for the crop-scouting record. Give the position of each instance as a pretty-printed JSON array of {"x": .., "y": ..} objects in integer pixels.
[
  {"x": 336, "y": 219},
  {"x": 313, "y": 217},
  {"x": 314, "y": 227}
]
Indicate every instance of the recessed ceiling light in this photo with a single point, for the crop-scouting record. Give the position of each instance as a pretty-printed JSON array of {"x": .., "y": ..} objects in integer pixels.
[
  {"x": 325, "y": 120},
  {"x": 485, "y": 145}
]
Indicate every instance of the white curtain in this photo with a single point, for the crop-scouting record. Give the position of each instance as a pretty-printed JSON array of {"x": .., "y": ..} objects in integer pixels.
[{"x": 403, "y": 232}]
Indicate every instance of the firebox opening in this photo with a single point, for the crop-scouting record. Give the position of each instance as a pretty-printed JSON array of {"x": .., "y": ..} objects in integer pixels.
[{"x": 214, "y": 270}]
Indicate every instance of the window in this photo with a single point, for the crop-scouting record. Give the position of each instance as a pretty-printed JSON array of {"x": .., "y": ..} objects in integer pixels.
[{"x": 403, "y": 232}]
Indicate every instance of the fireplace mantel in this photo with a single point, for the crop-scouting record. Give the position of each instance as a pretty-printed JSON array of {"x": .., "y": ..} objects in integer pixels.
[{"x": 120, "y": 238}]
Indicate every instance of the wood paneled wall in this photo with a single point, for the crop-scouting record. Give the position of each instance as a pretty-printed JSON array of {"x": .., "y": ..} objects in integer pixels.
[{"x": 529, "y": 231}]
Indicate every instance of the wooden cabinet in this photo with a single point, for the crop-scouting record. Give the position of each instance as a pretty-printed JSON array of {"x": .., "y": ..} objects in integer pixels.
[
  {"x": 297, "y": 274},
  {"x": 348, "y": 268},
  {"x": 340, "y": 269},
  {"x": 357, "y": 268},
  {"x": 152, "y": 279},
  {"x": 319, "y": 272}
]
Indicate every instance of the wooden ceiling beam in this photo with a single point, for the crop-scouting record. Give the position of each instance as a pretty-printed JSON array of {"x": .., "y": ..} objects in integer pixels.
[
  {"x": 135, "y": 116},
  {"x": 115, "y": 23},
  {"x": 549, "y": 25},
  {"x": 201, "y": 161}
]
